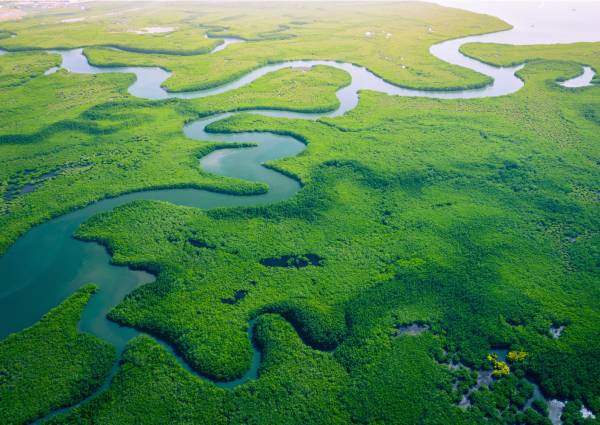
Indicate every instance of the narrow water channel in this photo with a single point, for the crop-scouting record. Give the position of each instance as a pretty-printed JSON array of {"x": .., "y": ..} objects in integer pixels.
[{"x": 46, "y": 265}]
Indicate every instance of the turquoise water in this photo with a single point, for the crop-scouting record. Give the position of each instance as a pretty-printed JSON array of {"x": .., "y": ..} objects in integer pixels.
[{"x": 47, "y": 264}]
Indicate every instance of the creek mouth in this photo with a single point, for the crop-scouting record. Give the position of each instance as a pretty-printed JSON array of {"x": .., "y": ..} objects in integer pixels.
[{"x": 46, "y": 265}]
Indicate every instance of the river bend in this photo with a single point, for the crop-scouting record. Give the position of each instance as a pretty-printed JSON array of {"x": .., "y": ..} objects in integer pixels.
[{"x": 46, "y": 265}]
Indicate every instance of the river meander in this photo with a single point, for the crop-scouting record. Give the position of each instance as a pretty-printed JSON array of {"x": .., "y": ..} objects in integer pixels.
[{"x": 47, "y": 264}]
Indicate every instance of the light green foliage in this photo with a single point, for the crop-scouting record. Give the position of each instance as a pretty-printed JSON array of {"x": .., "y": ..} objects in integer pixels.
[
  {"x": 101, "y": 149},
  {"x": 436, "y": 206},
  {"x": 309, "y": 90},
  {"x": 51, "y": 364},
  {"x": 392, "y": 40},
  {"x": 21, "y": 67},
  {"x": 477, "y": 217},
  {"x": 506, "y": 55},
  {"x": 516, "y": 356},
  {"x": 109, "y": 24},
  {"x": 57, "y": 99},
  {"x": 500, "y": 368}
]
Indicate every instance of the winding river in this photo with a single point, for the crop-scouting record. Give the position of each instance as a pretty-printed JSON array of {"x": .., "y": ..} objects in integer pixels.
[{"x": 46, "y": 265}]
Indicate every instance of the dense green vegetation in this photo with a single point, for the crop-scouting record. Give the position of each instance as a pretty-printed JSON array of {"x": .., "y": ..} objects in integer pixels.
[
  {"x": 391, "y": 39},
  {"x": 109, "y": 24},
  {"x": 149, "y": 376},
  {"x": 59, "y": 100},
  {"x": 297, "y": 89},
  {"x": 96, "y": 141},
  {"x": 506, "y": 55},
  {"x": 478, "y": 220},
  {"x": 51, "y": 364},
  {"x": 467, "y": 215},
  {"x": 21, "y": 67}
]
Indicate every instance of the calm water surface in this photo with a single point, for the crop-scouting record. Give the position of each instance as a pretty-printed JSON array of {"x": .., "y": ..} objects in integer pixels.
[{"x": 47, "y": 264}]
